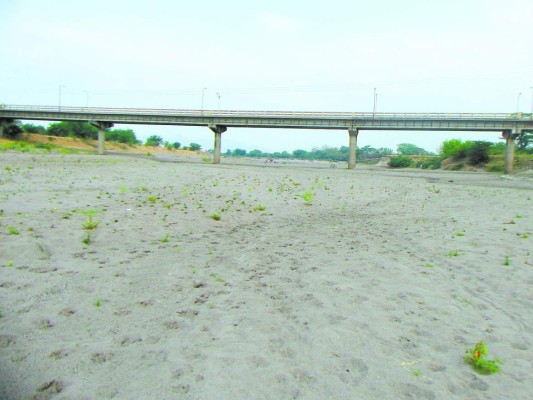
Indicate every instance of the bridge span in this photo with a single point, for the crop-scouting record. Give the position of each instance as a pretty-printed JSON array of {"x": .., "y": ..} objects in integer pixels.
[{"x": 510, "y": 125}]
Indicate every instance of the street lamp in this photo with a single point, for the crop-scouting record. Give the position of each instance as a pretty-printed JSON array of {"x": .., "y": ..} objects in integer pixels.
[
  {"x": 218, "y": 96},
  {"x": 375, "y": 103},
  {"x": 86, "y": 99},
  {"x": 60, "y": 87},
  {"x": 203, "y": 93},
  {"x": 531, "y": 99},
  {"x": 518, "y": 102}
]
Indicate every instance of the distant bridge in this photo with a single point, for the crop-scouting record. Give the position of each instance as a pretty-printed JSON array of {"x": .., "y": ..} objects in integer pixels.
[{"x": 511, "y": 125}]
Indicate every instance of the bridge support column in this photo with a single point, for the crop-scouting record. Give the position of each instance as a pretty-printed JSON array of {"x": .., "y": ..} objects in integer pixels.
[
  {"x": 217, "y": 129},
  {"x": 509, "y": 136},
  {"x": 102, "y": 127},
  {"x": 353, "y": 148},
  {"x": 3, "y": 122}
]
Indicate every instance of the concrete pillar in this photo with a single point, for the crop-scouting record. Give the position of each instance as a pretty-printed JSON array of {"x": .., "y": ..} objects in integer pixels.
[
  {"x": 217, "y": 129},
  {"x": 101, "y": 141},
  {"x": 509, "y": 150},
  {"x": 353, "y": 148},
  {"x": 102, "y": 127},
  {"x": 3, "y": 122}
]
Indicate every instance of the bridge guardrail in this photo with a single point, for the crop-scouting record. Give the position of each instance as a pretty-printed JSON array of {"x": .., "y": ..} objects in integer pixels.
[{"x": 270, "y": 114}]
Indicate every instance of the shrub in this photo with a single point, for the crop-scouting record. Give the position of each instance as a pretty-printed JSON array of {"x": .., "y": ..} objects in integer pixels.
[
  {"x": 400, "y": 162},
  {"x": 478, "y": 152},
  {"x": 154, "y": 140},
  {"x": 431, "y": 163},
  {"x": 122, "y": 136},
  {"x": 13, "y": 130}
]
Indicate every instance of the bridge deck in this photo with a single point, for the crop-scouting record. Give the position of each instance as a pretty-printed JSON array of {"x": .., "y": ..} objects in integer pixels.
[{"x": 276, "y": 119}]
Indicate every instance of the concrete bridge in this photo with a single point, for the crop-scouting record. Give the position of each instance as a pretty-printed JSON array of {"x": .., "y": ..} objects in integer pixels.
[{"x": 510, "y": 125}]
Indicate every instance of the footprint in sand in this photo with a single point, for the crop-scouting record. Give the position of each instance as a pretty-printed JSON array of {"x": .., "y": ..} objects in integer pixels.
[{"x": 353, "y": 371}]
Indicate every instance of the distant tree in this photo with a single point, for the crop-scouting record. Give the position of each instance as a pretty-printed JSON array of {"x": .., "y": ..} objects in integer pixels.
[
  {"x": 176, "y": 145},
  {"x": 195, "y": 147},
  {"x": 408, "y": 149},
  {"x": 239, "y": 152},
  {"x": 478, "y": 152},
  {"x": 122, "y": 136},
  {"x": 301, "y": 154},
  {"x": 72, "y": 129},
  {"x": 13, "y": 130},
  {"x": 525, "y": 141},
  {"x": 154, "y": 140},
  {"x": 255, "y": 153},
  {"x": 31, "y": 128}
]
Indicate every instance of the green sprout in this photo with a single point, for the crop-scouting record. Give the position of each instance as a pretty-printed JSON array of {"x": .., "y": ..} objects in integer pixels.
[
  {"x": 308, "y": 197},
  {"x": 477, "y": 358},
  {"x": 12, "y": 230}
]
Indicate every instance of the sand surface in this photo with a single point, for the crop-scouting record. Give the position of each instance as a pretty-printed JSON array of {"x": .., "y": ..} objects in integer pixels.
[{"x": 373, "y": 291}]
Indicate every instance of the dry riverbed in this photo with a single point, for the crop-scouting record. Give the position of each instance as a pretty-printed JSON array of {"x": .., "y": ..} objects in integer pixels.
[{"x": 118, "y": 281}]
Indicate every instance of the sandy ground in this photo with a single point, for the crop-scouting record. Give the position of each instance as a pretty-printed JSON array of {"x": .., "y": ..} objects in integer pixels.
[{"x": 373, "y": 291}]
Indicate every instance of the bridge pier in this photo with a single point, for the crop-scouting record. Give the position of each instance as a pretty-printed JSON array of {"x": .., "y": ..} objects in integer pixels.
[
  {"x": 102, "y": 127},
  {"x": 353, "y": 148},
  {"x": 217, "y": 129},
  {"x": 510, "y": 137},
  {"x": 3, "y": 122}
]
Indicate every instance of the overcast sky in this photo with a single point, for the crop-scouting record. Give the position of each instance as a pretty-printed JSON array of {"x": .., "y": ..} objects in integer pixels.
[{"x": 420, "y": 55}]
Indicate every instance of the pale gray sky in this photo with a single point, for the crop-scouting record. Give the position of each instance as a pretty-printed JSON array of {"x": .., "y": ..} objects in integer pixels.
[{"x": 421, "y": 55}]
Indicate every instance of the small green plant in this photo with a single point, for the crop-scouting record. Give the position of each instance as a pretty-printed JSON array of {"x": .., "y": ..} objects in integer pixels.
[
  {"x": 215, "y": 216},
  {"x": 87, "y": 239},
  {"x": 123, "y": 189},
  {"x": 218, "y": 278},
  {"x": 416, "y": 372},
  {"x": 12, "y": 230},
  {"x": 90, "y": 224},
  {"x": 477, "y": 358},
  {"x": 506, "y": 262},
  {"x": 97, "y": 302},
  {"x": 152, "y": 199},
  {"x": 164, "y": 239},
  {"x": 428, "y": 265},
  {"x": 453, "y": 253},
  {"x": 308, "y": 197},
  {"x": 523, "y": 235},
  {"x": 10, "y": 263},
  {"x": 259, "y": 208}
]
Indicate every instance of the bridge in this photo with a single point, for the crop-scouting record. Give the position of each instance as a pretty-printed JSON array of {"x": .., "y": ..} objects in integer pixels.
[{"x": 510, "y": 125}]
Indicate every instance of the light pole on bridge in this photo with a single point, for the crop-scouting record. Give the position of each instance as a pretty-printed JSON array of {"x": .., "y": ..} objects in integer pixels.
[
  {"x": 531, "y": 99},
  {"x": 86, "y": 99},
  {"x": 60, "y": 87},
  {"x": 203, "y": 93},
  {"x": 518, "y": 102},
  {"x": 218, "y": 97}
]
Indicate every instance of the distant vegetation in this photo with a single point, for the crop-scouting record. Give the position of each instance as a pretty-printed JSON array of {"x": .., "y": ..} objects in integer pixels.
[{"x": 324, "y": 153}]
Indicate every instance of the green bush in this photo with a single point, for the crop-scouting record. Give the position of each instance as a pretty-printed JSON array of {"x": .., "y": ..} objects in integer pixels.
[
  {"x": 478, "y": 152},
  {"x": 122, "y": 136},
  {"x": 154, "y": 140},
  {"x": 431, "y": 163},
  {"x": 400, "y": 162}
]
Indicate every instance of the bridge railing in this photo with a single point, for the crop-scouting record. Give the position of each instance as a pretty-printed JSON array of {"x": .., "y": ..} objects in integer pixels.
[{"x": 268, "y": 114}]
